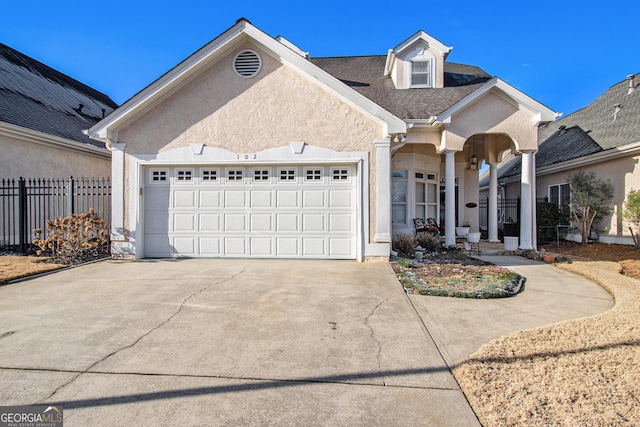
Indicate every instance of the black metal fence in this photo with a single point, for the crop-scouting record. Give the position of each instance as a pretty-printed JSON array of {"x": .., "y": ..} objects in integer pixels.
[
  {"x": 27, "y": 204},
  {"x": 508, "y": 216}
]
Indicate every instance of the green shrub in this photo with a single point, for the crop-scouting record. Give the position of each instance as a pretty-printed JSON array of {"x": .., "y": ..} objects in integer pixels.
[{"x": 548, "y": 216}]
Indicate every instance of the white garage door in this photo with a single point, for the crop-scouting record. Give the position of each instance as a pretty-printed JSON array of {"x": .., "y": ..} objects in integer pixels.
[{"x": 251, "y": 211}]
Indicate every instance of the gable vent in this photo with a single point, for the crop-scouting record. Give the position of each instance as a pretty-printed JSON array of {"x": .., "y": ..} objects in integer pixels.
[{"x": 247, "y": 63}]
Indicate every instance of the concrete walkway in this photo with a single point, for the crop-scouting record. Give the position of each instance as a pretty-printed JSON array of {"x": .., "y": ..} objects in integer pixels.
[
  {"x": 257, "y": 342},
  {"x": 460, "y": 326}
]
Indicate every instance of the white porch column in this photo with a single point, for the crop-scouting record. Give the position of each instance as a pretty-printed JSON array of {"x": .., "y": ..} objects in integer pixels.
[
  {"x": 534, "y": 206},
  {"x": 383, "y": 193},
  {"x": 493, "y": 203},
  {"x": 526, "y": 210},
  {"x": 450, "y": 199}
]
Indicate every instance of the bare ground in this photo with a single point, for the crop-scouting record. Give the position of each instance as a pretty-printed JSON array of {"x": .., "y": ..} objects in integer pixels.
[{"x": 574, "y": 373}]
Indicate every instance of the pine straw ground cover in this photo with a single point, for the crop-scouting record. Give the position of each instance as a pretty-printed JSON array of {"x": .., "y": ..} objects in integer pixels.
[{"x": 576, "y": 373}]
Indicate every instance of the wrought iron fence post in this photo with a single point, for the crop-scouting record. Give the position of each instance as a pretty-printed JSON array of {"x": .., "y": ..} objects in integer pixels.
[
  {"x": 23, "y": 237},
  {"x": 71, "y": 197}
]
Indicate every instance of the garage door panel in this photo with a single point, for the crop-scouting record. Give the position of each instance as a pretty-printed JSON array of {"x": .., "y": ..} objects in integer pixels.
[
  {"x": 341, "y": 223},
  {"x": 286, "y": 222},
  {"x": 184, "y": 246},
  {"x": 261, "y": 199},
  {"x": 314, "y": 247},
  {"x": 340, "y": 199},
  {"x": 156, "y": 199},
  {"x": 184, "y": 222},
  {"x": 209, "y": 222},
  {"x": 313, "y": 223},
  {"x": 249, "y": 211},
  {"x": 157, "y": 222},
  {"x": 235, "y": 246},
  {"x": 261, "y": 222},
  {"x": 340, "y": 247},
  {"x": 184, "y": 199},
  {"x": 262, "y": 246},
  {"x": 235, "y": 222},
  {"x": 209, "y": 246},
  {"x": 235, "y": 198},
  {"x": 209, "y": 198},
  {"x": 287, "y": 198},
  {"x": 157, "y": 246},
  {"x": 313, "y": 198},
  {"x": 288, "y": 247}
]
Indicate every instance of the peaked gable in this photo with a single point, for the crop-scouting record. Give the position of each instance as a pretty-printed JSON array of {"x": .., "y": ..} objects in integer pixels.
[{"x": 241, "y": 33}]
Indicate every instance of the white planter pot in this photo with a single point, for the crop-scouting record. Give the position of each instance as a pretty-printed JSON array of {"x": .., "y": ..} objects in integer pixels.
[
  {"x": 473, "y": 237},
  {"x": 462, "y": 231}
]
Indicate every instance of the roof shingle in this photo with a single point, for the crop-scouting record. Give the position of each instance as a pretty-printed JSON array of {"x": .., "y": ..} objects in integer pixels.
[
  {"x": 365, "y": 74},
  {"x": 37, "y": 97}
]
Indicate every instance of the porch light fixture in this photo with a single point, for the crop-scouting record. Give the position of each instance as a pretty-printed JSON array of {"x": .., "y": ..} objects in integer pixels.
[{"x": 473, "y": 160}]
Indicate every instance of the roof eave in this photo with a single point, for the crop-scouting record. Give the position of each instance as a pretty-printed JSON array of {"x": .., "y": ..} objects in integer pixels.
[{"x": 42, "y": 138}]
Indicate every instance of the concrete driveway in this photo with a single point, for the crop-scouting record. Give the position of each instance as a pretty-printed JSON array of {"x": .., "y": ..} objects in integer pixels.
[{"x": 224, "y": 342}]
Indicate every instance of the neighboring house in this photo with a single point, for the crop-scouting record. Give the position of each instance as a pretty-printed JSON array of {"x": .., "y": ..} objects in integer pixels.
[
  {"x": 42, "y": 115},
  {"x": 250, "y": 148},
  {"x": 603, "y": 137}
]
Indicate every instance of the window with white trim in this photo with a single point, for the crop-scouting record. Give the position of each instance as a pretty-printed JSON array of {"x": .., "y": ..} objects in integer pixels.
[
  {"x": 420, "y": 68},
  {"x": 421, "y": 73},
  {"x": 157, "y": 176},
  {"x": 313, "y": 175},
  {"x": 184, "y": 175},
  {"x": 340, "y": 174},
  {"x": 209, "y": 175},
  {"x": 235, "y": 175},
  {"x": 287, "y": 175},
  {"x": 399, "y": 196},
  {"x": 261, "y": 175}
]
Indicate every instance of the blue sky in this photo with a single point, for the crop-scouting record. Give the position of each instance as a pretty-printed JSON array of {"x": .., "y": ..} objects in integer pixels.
[{"x": 562, "y": 53}]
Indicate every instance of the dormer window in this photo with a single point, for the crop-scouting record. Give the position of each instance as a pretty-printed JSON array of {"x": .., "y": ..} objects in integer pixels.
[
  {"x": 421, "y": 73},
  {"x": 421, "y": 69}
]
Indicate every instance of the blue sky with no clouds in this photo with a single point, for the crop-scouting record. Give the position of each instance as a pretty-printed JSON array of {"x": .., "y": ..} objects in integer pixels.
[{"x": 562, "y": 53}]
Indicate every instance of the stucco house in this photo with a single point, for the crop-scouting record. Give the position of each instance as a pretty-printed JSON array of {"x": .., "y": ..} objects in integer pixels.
[
  {"x": 250, "y": 147},
  {"x": 42, "y": 115},
  {"x": 603, "y": 137}
]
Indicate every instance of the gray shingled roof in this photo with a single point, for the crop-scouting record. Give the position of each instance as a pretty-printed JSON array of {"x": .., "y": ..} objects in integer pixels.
[
  {"x": 365, "y": 74},
  {"x": 587, "y": 131},
  {"x": 37, "y": 97}
]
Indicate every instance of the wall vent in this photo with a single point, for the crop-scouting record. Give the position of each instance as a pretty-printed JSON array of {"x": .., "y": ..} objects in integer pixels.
[{"x": 247, "y": 63}]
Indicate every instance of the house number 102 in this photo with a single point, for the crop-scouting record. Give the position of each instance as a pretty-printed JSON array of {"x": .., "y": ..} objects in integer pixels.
[{"x": 247, "y": 156}]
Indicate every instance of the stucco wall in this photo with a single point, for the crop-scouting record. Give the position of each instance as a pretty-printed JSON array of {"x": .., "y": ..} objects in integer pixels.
[
  {"x": 22, "y": 158},
  {"x": 624, "y": 174},
  {"x": 492, "y": 114},
  {"x": 278, "y": 106}
]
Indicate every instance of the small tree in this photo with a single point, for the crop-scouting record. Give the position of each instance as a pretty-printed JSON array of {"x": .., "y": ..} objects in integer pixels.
[
  {"x": 632, "y": 214},
  {"x": 590, "y": 200}
]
